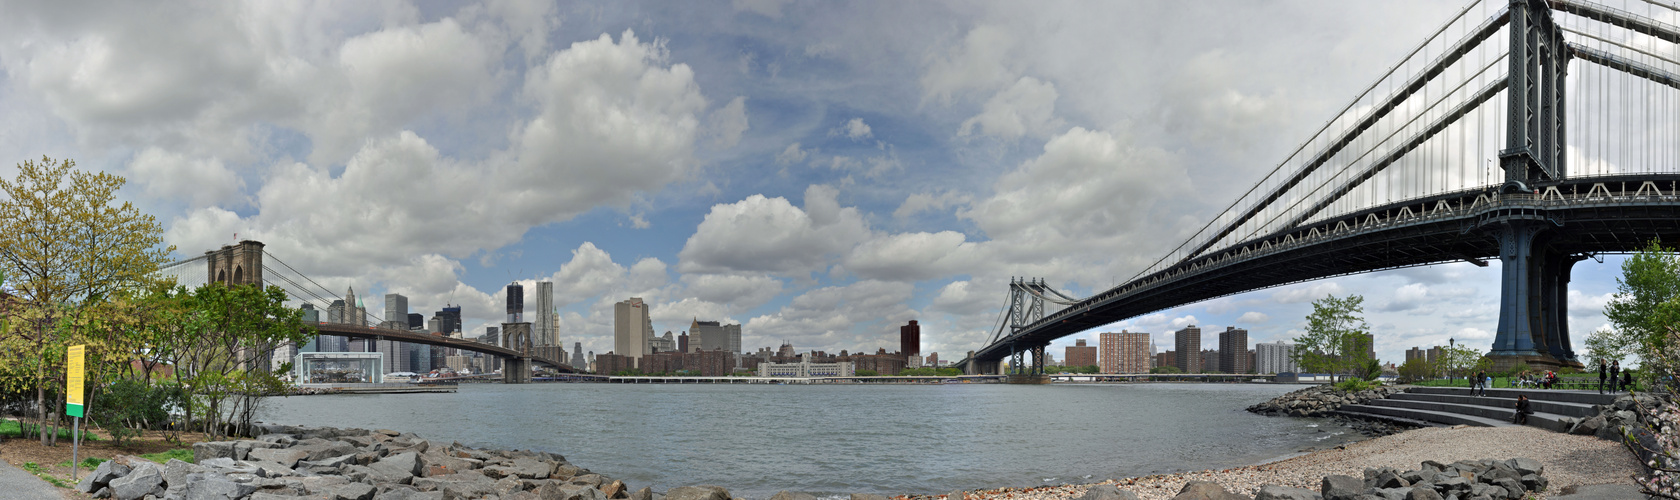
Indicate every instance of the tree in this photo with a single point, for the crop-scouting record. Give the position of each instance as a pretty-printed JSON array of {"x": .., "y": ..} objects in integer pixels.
[
  {"x": 1462, "y": 361},
  {"x": 1165, "y": 370},
  {"x": 1337, "y": 338},
  {"x": 1644, "y": 305},
  {"x": 64, "y": 245},
  {"x": 220, "y": 351}
]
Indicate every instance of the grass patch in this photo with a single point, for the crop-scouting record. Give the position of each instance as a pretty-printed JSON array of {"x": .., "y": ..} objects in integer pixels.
[
  {"x": 41, "y": 472},
  {"x": 87, "y": 463},
  {"x": 182, "y": 454},
  {"x": 12, "y": 428}
]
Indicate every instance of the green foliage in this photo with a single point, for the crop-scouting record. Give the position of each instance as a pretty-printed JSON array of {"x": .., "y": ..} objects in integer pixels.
[
  {"x": 1336, "y": 338},
  {"x": 1417, "y": 369},
  {"x": 127, "y": 406},
  {"x": 1371, "y": 370},
  {"x": 1077, "y": 369},
  {"x": 1644, "y": 305},
  {"x": 182, "y": 454},
  {"x": 1356, "y": 384},
  {"x": 867, "y": 373},
  {"x": 1463, "y": 361},
  {"x": 13, "y": 428},
  {"x": 87, "y": 463},
  {"x": 1165, "y": 370}
]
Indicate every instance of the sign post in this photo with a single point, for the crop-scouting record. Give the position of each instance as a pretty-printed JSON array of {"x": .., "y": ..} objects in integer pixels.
[{"x": 74, "y": 372}]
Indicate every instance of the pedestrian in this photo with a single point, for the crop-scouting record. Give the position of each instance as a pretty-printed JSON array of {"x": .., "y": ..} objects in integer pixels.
[
  {"x": 1601, "y": 371},
  {"x": 1477, "y": 385},
  {"x": 1615, "y": 366},
  {"x": 1627, "y": 380},
  {"x": 1523, "y": 410}
]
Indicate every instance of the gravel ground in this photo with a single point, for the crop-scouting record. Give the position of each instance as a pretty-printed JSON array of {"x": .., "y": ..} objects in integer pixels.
[{"x": 1570, "y": 460}]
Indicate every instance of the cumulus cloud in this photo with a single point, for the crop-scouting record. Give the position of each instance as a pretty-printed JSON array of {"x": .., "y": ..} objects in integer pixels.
[
  {"x": 854, "y": 129},
  {"x": 760, "y": 234},
  {"x": 725, "y": 125},
  {"x": 922, "y": 202},
  {"x": 980, "y": 60},
  {"x": 793, "y": 154},
  {"x": 1254, "y": 317},
  {"x": 1308, "y": 292},
  {"x": 860, "y": 315},
  {"x": 198, "y": 181},
  {"x": 1026, "y": 108}
]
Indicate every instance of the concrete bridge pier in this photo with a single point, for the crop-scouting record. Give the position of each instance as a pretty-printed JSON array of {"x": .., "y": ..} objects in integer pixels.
[{"x": 516, "y": 370}]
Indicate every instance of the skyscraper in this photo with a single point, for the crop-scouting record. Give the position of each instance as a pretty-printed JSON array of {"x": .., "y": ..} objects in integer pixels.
[
  {"x": 515, "y": 303},
  {"x": 631, "y": 327},
  {"x": 450, "y": 317},
  {"x": 396, "y": 308},
  {"x": 910, "y": 339},
  {"x": 682, "y": 342},
  {"x": 1125, "y": 352},
  {"x": 1233, "y": 350},
  {"x": 416, "y": 321},
  {"x": 544, "y": 330},
  {"x": 1187, "y": 344},
  {"x": 578, "y": 361},
  {"x": 714, "y": 336}
]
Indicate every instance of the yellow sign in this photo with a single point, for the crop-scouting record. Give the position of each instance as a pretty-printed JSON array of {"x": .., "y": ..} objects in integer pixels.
[{"x": 74, "y": 372}]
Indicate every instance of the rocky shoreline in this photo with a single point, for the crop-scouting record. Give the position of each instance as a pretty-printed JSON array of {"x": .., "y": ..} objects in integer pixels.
[{"x": 1318, "y": 401}]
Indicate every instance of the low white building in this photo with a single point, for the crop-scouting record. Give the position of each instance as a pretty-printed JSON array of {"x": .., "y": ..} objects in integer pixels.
[
  {"x": 1274, "y": 358},
  {"x": 806, "y": 369}
]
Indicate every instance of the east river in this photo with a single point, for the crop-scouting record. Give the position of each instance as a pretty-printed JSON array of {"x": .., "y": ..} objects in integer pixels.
[{"x": 830, "y": 439}]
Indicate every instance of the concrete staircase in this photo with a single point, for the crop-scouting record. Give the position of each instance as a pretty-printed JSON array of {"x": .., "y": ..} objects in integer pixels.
[{"x": 1455, "y": 406}]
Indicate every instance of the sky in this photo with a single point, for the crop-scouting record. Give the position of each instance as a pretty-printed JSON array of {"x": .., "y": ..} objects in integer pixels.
[{"x": 820, "y": 173}]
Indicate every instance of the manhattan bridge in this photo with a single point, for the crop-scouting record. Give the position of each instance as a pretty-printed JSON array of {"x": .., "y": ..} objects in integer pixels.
[{"x": 1536, "y": 132}]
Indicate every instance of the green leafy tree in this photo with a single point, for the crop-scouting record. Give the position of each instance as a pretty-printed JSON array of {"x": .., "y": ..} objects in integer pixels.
[
  {"x": 1165, "y": 370},
  {"x": 1463, "y": 361},
  {"x": 220, "y": 351},
  {"x": 1644, "y": 305},
  {"x": 64, "y": 244},
  {"x": 1336, "y": 341}
]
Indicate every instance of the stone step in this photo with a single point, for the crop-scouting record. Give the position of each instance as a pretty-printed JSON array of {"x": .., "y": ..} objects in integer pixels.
[
  {"x": 1440, "y": 417},
  {"x": 1567, "y": 409},
  {"x": 1549, "y": 421},
  {"x": 1388, "y": 418},
  {"x": 1561, "y": 395}
]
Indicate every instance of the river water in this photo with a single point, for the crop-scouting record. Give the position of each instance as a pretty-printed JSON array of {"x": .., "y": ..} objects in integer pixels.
[{"x": 831, "y": 439}]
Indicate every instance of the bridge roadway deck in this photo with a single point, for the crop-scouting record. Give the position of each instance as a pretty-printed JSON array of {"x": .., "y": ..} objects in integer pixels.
[
  {"x": 1589, "y": 215},
  {"x": 367, "y": 332}
]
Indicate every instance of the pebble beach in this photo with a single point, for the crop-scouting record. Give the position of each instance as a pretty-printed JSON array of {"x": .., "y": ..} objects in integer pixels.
[{"x": 1570, "y": 460}]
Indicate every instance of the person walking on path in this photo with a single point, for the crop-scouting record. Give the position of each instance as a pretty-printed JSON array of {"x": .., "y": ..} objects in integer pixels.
[
  {"x": 1627, "y": 381},
  {"x": 1523, "y": 410},
  {"x": 1615, "y": 367},
  {"x": 1480, "y": 388},
  {"x": 1601, "y": 371}
]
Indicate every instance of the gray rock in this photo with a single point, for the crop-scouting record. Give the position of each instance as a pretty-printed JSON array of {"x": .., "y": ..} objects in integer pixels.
[
  {"x": 145, "y": 479},
  {"x": 530, "y": 468},
  {"x": 104, "y": 492},
  {"x": 1513, "y": 487},
  {"x": 1526, "y": 466},
  {"x": 1590, "y": 426},
  {"x": 208, "y": 486},
  {"x": 1206, "y": 490},
  {"x": 1275, "y": 492},
  {"x": 215, "y": 449},
  {"x": 646, "y": 493},
  {"x": 1453, "y": 484},
  {"x": 263, "y": 495},
  {"x": 703, "y": 492},
  {"x": 270, "y": 469},
  {"x": 399, "y": 464},
  {"x": 437, "y": 483},
  {"x": 780, "y": 495},
  {"x": 323, "y": 450},
  {"x": 1534, "y": 482},
  {"x": 468, "y": 489},
  {"x": 316, "y": 485},
  {"x": 1341, "y": 487},
  {"x": 176, "y": 471},
  {"x": 868, "y": 496},
  {"x": 407, "y": 493},
  {"x": 1106, "y": 492},
  {"x": 1422, "y": 493},
  {"x": 956, "y": 495},
  {"x": 1390, "y": 479},
  {"x": 1625, "y": 403},
  {"x": 223, "y": 462},
  {"x": 353, "y": 491},
  {"x": 1391, "y": 493},
  {"x": 102, "y": 475},
  {"x": 285, "y": 457}
]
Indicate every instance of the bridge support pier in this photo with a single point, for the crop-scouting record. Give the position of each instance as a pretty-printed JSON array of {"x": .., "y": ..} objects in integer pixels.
[
  {"x": 1534, "y": 296},
  {"x": 516, "y": 370}
]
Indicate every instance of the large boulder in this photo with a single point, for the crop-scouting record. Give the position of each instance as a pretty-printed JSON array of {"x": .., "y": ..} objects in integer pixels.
[
  {"x": 1206, "y": 490},
  {"x": 398, "y": 464},
  {"x": 145, "y": 479},
  {"x": 703, "y": 492},
  {"x": 216, "y": 449},
  {"x": 323, "y": 450},
  {"x": 208, "y": 486},
  {"x": 1107, "y": 492},
  {"x": 103, "y": 474},
  {"x": 1423, "y": 493},
  {"x": 780, "y": 495},
  {"x": 1341, "y": 488},
  {"x": 282, "y": 456},
  {"x": 1589, "y": 426},
  {"x": 1275, "y": 492}
]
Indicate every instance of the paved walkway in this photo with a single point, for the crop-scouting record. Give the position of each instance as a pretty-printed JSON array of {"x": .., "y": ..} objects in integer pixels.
[{"x": 19, "y": 484}]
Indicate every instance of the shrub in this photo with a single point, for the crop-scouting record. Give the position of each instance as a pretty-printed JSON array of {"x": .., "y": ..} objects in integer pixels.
[{"x": 1356, "y": 384}]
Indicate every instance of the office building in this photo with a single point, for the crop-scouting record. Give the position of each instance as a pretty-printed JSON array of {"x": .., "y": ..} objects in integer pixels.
[
  {"x": 632, "y": 327},
  {"x": 1125, "y": 352},
  {"x": 1233, "y": 350},
  {"x": 335, "y": 312},
  {"x": 610, "y": 363},
  {"x": 667, "y": 343},
  {"x": 1080, "y": 354},
  {"x": 682, "y": 342},
  {"x": 933, "y": 359},
  {"x": 578, "y": 361},
  {"x": 1187, "y": 343},
  {"x": 396, "y": 311},
  {"x": 1274, "y": 358},
  {"x": 713, "y": 336},
  {"x": 543, "y": 331},
  {"x": 882, "y": 362},
  {"x": 1430, "y": 355},
  {"x": 449, "y": 319},
  {"x": 703, "y": 363},
  {"x": 416, "y": 321},
  {"x": 515, "y": 303},
  {"x": 910, "y": 339},
  {"x": 1365, "y": 344}
]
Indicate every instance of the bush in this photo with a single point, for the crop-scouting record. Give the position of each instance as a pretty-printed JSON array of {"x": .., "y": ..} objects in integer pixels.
[
  {"x": 1165, "y": 370},
  {"x": 126, "y": 407},
  {"x": 1370, "y": 370},
  {"x": 1356, "y": 385}
]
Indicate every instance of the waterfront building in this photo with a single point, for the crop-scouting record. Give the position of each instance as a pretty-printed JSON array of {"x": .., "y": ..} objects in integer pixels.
[
  {"x": 350, "y": 316},
  {"x": 1080, "y": 354},
  {"x": 1210, "y": 361},
  {"x": 1274, "y": 358},
  {"x": 910, "y": 339},
  {"x": 338, "y": 368},
  {"x": 1187, "y": 344},
  {"x": 1233, "y": 350},
  {"x": 1365, "y": 343},
  {"x": 515, "y": 303},
  {"x": 882, "y": 362},
  {"x": 1124, "y": 352},
  {"x": 807, "y": 369},
  {"x": 545, "y": 329},
  {"x": 786, "y": 351},
  {"x": 611, "y": 363},
  {"x": 1169, "y": 358},
  {"x": 703, "y": 363},
  {"x": 631, "y": 327},
  {"x": 714, "y": 336},
  {"x": 933, "y": 359}
]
